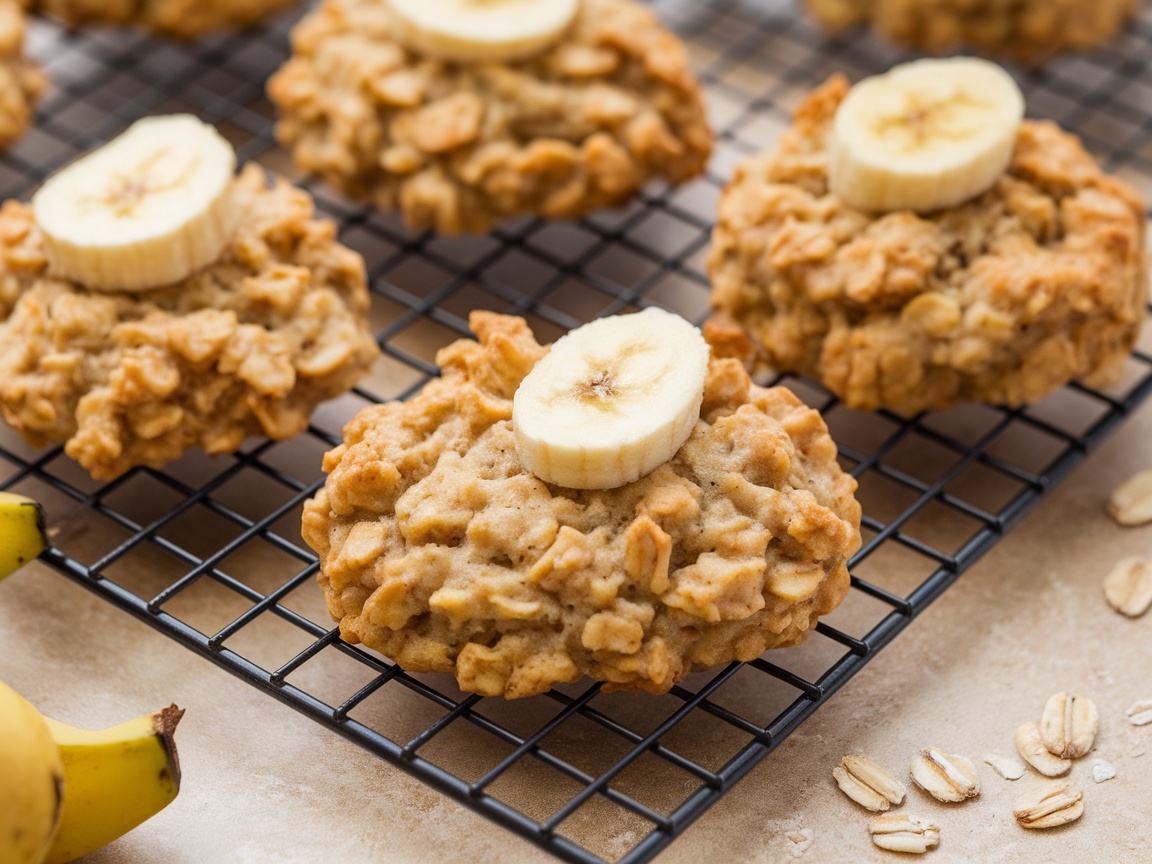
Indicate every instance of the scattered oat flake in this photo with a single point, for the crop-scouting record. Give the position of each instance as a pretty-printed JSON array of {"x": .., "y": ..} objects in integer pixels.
[
  {"x": 1068, "y": 727},
  {"x": 1131, "y": 502},
  {"x": 1128, "y": 586},
  {"x": 1102, "y": 770},
  {"x": 867, "y": 783},
  {"x": 1032, "y": 750},
  {"x": 1051, "y": 806},
  {"x": 799, "y": 841},
  {"x": 946, "y": 777},
  {"x": 903, "y": 832},
  {"x": 1140, "y": 714},
  {"x": 1005, "y": 766}
]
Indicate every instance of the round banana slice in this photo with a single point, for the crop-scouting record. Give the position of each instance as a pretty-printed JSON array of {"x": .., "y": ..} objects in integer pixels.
[
  {"x": 468, "y": 31},
  {"x": 926, "y": 135},
  {"x": 611, "y": 400},
  {"x": 147, "y": 209}
]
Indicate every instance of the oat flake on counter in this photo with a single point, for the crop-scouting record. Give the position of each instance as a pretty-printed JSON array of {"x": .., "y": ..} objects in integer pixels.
[{"x": 1102, "y": 770}]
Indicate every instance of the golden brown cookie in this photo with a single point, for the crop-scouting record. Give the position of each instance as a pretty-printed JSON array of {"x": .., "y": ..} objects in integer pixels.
[
  {"x": 248, "y": 346},
  {"x": 439, "y": 550},
  {"x": 185, "y": 18},
  {"x": 21, "y": 81},
  {"x": 1003, "y": 299},
  {"x": 1028, "y": 30},
  {"x": 458, "y": 147}
]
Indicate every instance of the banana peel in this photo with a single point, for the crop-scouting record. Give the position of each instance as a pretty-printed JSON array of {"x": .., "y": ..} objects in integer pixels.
[
  {"x": 66, "y": 792},
  {"x": 31, "y": 781},
  {"x": 114, "y": 779}
]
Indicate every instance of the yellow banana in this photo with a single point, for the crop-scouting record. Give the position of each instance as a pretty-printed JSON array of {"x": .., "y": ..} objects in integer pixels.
[
  {"x": 114, "y": 780},
  {"x": 22, "y": 535},
  {"x": 31, "y": 781}
]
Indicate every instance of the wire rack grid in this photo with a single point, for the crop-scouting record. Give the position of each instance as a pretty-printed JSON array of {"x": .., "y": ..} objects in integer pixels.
[{"x": 209, "y": 551}]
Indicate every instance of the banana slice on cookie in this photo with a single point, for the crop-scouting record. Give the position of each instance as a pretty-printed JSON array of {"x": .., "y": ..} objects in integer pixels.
[
  {"x": 469, "y": 31},
  {"x": 926, "y": 135},
  {"x": 149, "y": 208},
  {"x": 612, "y": 400}
]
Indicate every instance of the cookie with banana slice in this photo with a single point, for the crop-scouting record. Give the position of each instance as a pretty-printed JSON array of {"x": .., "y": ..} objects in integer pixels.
[
  {"x": 622, "y": 505},
  {"x": 913, "y": 244},
  {"x": 1030, "y": 31},
  {"x": 460, "y": 114},
  {"x": 159, "y": 301},
  {"x": 180, "y": 18}
]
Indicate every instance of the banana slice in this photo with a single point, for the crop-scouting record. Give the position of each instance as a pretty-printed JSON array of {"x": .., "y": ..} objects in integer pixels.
[
  {"x": 468, "y": 31},
  {"x": 926, "y": 135},
  {"x": 611, "y": 401},
  {"x": 149, "y": 208}
]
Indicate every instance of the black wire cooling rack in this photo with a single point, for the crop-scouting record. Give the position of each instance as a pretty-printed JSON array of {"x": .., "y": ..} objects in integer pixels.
[{"x": 209, "y": 551}]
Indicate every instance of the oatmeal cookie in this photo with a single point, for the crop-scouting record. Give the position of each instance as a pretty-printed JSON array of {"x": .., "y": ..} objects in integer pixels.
[
  {"x": 184, "y": 18},
  {"x": 21, "y": 81},
  {"x": 439, "y": 550},
  {"x": 1028, "y": 30},
  {"x": 458, "y": 147},
  {"x": 248, "y": 346},
  {"x": 1003, "y": 299}
]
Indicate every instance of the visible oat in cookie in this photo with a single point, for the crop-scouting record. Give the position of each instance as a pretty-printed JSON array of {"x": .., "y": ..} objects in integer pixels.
[
  {"x": 440, "y": 551},
  {"x": 1003, "y": 299},
  {"x": 458, "y": 147},
  {"x": 21, "y": 81},
  {"x": 1028, "y": 30},
  {"x": 248, "y": 346},
  {"x": 185, "y": 18}
]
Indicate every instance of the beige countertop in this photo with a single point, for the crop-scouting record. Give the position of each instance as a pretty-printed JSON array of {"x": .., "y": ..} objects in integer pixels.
[{"x": 265, "y": 784}]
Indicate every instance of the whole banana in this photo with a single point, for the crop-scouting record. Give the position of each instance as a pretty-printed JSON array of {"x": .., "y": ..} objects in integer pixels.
[
  {"x": 65, "y": 792},
  {"x": 114, "y": 779},
  {"x": 22, "y": 535},
  {"x": 31, "y": 781}
]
